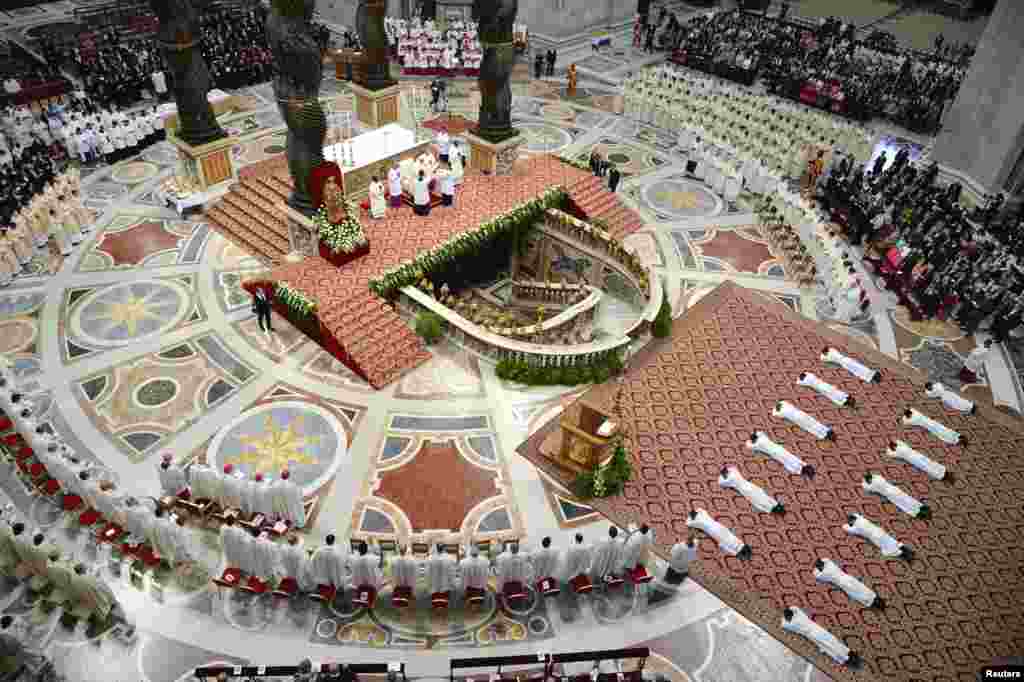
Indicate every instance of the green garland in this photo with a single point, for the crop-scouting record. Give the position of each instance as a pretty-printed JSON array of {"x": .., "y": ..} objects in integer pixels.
[
  {"x": 295, "y": 300},
  {"x": 344, "y": 237},
  {"x": 519, "y": 219},
  {"x": 598, "y": 372},
  {"x": 575, "y": 163}
]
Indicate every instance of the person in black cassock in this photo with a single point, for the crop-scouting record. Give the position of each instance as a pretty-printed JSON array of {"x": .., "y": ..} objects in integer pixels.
[
  {"x": 613, "y": 177},
  {"x": 261, "y": 308}
]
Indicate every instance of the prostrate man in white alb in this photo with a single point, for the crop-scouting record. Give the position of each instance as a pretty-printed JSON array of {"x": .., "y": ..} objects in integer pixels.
[
  {"x": 840, "y": 398},
  {"x": 899, "y": 450},
  {"x": 833, "y": 356},
  {"x": 950, "y": 399},
  {"x": 727, "y": 541},
  {"x": 890, "y": 547},
  {"x": 760, "y": 442},
  {"x": 730, "y": 477},
  {"x": 828, "y": 571},
  {"x": 793, "y": 414},
  {"x": 796, "y": 621},
  {"x": 912, "y": 417},
  {"x": 874, "y": 483}
]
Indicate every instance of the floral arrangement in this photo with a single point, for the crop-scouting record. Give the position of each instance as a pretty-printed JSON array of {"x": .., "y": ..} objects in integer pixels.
[
  {"x": 519, "y": 219},
  {"x": 343, "y": 237},
  {"x": 295, "y": 300},
  {"x": 607, "y": 480}
]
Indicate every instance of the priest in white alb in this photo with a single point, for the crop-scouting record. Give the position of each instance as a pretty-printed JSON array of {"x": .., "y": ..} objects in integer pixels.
[
  {"x": 545, "y": 567},
  {"x": 833, "y": 356},
  {"x": 838, "y": 397},
  {"x": 890, "y": 547},
  {"x": 577, "y": 559},
  {"x": 951, "y": 399},
  {"x": 232, "y": 488},
  {"x": 636, "y": 549},
  {"x": 365, "y": 566},
  {"x": 236, "y": 545},
  {"x": 793, "y": 414},
  {"x": 726, "y": 539},
  {"x": 512, "y": 567},
  {"x": 172, "y": 477},
  {"x": 730, "y": 477},
  {"x": 606, "y": 557},
  {"x": 796, "y": 621},
  {"x": 440, "y": 571},
  {"x": 287, "y": 500},
  {"x": 876, "y": 484},
  {"x": 760, "y": 442},
  {"x": 328, "y": 565},
  {"x": 294, "y": 563},
  {"x": 682, "y": 555},
  {"x": 828, "y": 571},
  {"x": 404, "y": 571},
  {"x": 912, "y": 417},
  {"x": 899, "y": 450}
]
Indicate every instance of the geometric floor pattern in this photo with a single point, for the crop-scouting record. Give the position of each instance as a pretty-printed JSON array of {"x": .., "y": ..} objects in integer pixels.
[{"x": 143, "y": 342}]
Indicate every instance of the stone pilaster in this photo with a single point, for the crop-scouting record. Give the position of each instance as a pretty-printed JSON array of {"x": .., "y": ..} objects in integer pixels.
[
  {"x": 493, "y": 158},
  {"x": 302, "y": 234}
]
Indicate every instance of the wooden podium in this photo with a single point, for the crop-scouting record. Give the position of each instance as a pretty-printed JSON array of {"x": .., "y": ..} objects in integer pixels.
[{"x": 587, "y": 432}]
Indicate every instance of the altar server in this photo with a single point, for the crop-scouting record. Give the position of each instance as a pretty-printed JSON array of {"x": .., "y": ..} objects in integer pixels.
[
  {"x": 405, "y": 570},
  {"x": 950, "y": 399},
  {"x": 545, "y": 562},
  {"x": 395, "y": 186},
  {"x": 440, "y": 571},
  {"x": 840, "y": 398},
  {"x": 899, "y": 450},
  {"x": 796, "y": 621},
  {"x": 760, "y": 442},
  {"x": 828, "y": 571},
  {"x": 873, "y": 483},
  {"x": 328, "y": 565},
  {"x": 730, "y": 477},
  {"x": 286, "y": 500},
  {"x": 682, "y": 555},
  {"x": 974, "y": 364},
  {"x": 236, "y": 544},
  {"x": 512, "y": 567},
  {"x": 474, "y": 570},
  {"x": 606, "y": 556},
  {"x": 366, "y": 568},
  {"x": 377, "y": 203},
  {"x": 891, "y": 548},
  {"x": 232, "y": 488},
  {"x": 172, "y": 476},
  {"x": 912, "y": 417},
  {"x": 421, "y": 194},
  {"x": 795, "y": 415},
  {"x": 726, "y": 539},
  {"x": 264, "y": 556},
  {"x": 577, "y": 558},
  {"x": 252, "y": 494},
  {"x": 294, "y": 563},
  {"x": 457, "y": 163},
  {"x": 831, "y": 355},
  {"x": 636, "y": 548}
]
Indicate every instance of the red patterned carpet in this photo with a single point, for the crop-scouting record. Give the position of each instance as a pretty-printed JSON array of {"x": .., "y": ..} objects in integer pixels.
[{"x": 689, "y": 403}]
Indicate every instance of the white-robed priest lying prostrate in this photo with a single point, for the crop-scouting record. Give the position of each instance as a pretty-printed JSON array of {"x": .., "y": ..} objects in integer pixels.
[
  {"x": 950, "y": 399},
  {"x": 730, "y": 477},
  {"x": 891, "y": 547},
  {"x": 760, "y": 442},
  {"x": 828, "y": 571},
  {"x": 873, "y": 483},
  {"x": 796, "y": 621},
  {"x": 794, "y": 414},
  {"x": 840, "y": 398},
  {"x": 912, "y": 417},
  {"x": 831, "y": 355},
  {"x": 726, "y": 539},
  {"x": 900, "y": 450}
]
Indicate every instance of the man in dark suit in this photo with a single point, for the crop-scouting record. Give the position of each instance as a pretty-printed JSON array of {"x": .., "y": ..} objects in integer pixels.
[
  {"x": 261, "y": 308},
  {"x": 613, "y": 178}
]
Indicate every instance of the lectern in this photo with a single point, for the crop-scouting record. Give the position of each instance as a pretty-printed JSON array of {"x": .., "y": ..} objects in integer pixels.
[{"x": 587, "y": 431}]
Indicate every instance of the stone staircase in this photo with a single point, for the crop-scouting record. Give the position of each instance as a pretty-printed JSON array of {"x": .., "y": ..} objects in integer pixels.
[
  {"x": 591, "y": 200},
  {"x": 249, "y": 216}
]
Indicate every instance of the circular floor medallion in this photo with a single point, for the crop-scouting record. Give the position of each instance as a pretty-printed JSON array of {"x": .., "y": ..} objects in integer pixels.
[
  {"x": 545, "y": 138},
  {"x": 134, "y": 172},
  {"x": 129, "y": 312},
  {"x": 681, "y": 199},
  {"x": 16, "y": 334},
  {"x": 154, "y": 393}
]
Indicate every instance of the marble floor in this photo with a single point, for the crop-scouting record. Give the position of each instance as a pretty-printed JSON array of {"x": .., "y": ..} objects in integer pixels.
[{"x": 142, "y": 341}]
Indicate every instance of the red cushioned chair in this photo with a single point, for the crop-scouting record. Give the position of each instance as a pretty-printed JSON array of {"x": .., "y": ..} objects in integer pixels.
[
  {"x": 513, "y": 590},
  {"x": 286, "y": 589},
  {"x": 255, "y": 586},
  {"x": 324, "y": 593},
  {"x": 581, "y": 584},
  {"x": 639, "y": 575},
  {"x": 13, "y": 440},
  {"x": 439, "y": 600},
  {"x": 24, "y": 452},
  {"x": 365, "y": 596},
  {"x": 71, "y": 503},
  {"x": 548, "y": 587},
  {"x": 50, "y": 487},
  {"x": 90, "y": 517},
  {"x": 401, "y": 596},
  {"x": 36, "y": 470},
  {"x": 5, "y": 423},
  {"x": 230, "y": 578}
]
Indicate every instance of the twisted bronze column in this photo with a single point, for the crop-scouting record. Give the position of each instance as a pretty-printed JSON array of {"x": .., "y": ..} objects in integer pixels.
[{"x": 494, "y": 20}]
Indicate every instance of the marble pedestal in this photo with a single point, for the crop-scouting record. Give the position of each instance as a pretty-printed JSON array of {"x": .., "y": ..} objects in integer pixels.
[
  {"x": 208, "y": 164},
  {"x": 302, "y": 234},
  {"x": 493, "y": 158},
  {"x": 376, "y": 108}
]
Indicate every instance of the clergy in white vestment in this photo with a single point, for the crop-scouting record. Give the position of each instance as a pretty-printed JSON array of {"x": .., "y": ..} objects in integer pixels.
[
  {"x": 512, "y": 567},
  {"x": 137, "y": 520},
  {"x": 172, "y": 477},
  {"x": 440, "y": 571},
  {"x": 235, "y": 543},
  {"x": 606, "y": 556},
  {"x": 974, "y": 363},
  {"x": 793, "y": 414},
  {"x": 890, "y": 547},
  {"x": 760, "y": 442},
  {"x": 253, "y": 501},
  {"x": 405, "y": 570},
  {"x": 682, "y": 555},
  {"x": 831, "y": 355},
  {"x": 366, "y": 569},
  {"x": 577, "y": 558},
  {"x": 377, "y": 203},
  {"x": 264, "y": 555},
  {"x": 828, "y": 571},
  {"x": 796, "y": 621},
  {"x": 912, "y": 417},
  {"x": 545, "y": 562},
  {"x": 294, "y": 563},
  {"x": 163, "y": 538},
  {"x": 873, "y": 483},
  {"x": 232, "y": 490},
  {"x": 951, "y": 399},
  {"x": 636, "y": 548},
  {"x": 328, "y": 565},
  {"x": 39, "y": 439},
  {"x": 25, "y": 423},
  {"x": 840, "y": 398},
  {"x": 726, "y": 539},
  {"x": 286, "y": 499},
  {"x": 730, "y": 477},
  {"x": 899, "y": 450},
  {"x": 205, "y": 483},
  {"x": 395, "y": 186}
]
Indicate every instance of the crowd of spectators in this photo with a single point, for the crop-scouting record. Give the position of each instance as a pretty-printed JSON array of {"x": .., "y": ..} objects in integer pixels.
[
  {"x": 21, "y": 74},
  {"x": 824, "y": 66}
]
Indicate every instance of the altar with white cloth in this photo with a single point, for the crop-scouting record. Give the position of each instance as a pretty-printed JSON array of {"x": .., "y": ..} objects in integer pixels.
[{"x": 372, "y": 154}]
